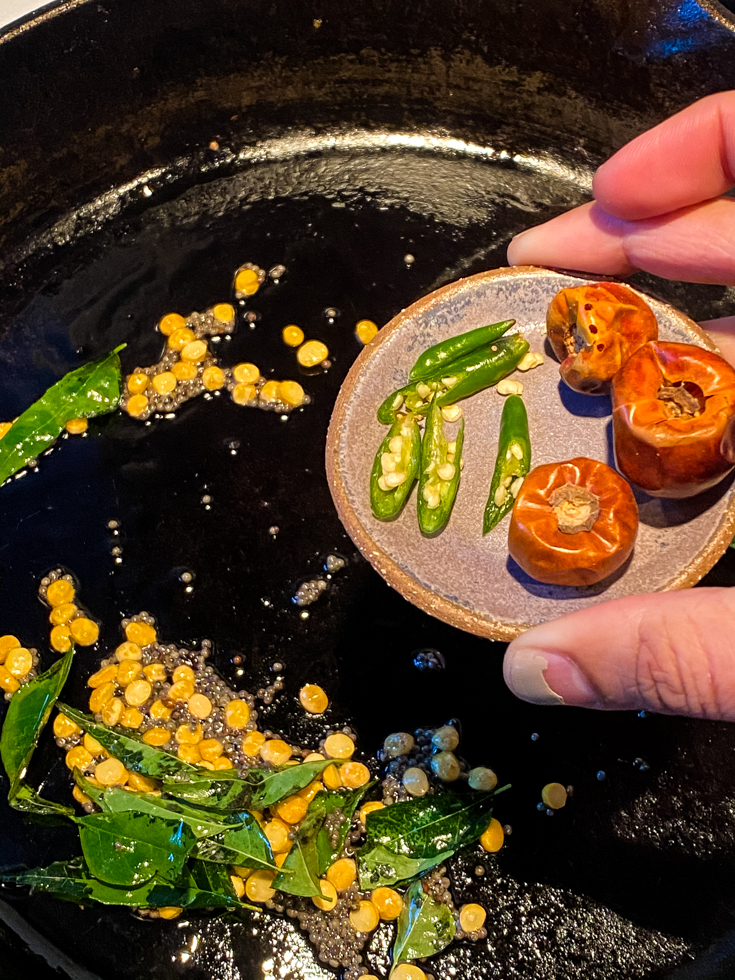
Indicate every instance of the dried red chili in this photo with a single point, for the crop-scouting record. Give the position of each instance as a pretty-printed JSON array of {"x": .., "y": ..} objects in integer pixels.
[
  {"x": 594, "y": 329},
  {"x": 573, "y": 523},
  {"x": 673, "y": 419}
]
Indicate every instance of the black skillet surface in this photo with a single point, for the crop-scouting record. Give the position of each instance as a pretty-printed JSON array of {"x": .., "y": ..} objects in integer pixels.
[{"x": 515, "y": 103}]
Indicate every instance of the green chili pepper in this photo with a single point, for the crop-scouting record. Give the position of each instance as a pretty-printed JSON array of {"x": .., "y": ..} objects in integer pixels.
[
  {"x": 512, "y": 465},
  {"x": 469, "y": 374},
  {"x": 399, "y": 456},
  {"x": 440, "y": 356},
  {"x": 440, "y": 473}
]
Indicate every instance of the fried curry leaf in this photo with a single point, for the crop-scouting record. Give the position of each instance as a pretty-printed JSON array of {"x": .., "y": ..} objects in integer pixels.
[
  {"x": 28, "y": 712},
  {"x": 27, "y": 800},
  {"x": 427, "y": 826},
  {"x": 379, "y": 867},
  {"x": 313, "y": 846},
  {"x": 243, "y": 845},
  {"x": 259, "y": 789},
  {"x": 202, "y": 823},
  {"x": 130, "y": 848},
  {"x": 200, "y": 886},
  {"x": 92, "y": 389},
  {"x": 425, "y": 926},
  {"x": 132, "y": 752}
]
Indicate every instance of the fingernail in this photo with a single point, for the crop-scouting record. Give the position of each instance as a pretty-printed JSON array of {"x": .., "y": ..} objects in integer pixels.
[{"x": 542, "y": 677}]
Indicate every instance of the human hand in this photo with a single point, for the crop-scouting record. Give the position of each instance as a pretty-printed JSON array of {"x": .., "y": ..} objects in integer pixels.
[{"x": 658, "y": 207}]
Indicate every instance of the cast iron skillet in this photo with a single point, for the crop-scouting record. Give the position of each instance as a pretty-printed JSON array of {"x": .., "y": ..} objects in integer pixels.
[{"x": 348, "y": 136}]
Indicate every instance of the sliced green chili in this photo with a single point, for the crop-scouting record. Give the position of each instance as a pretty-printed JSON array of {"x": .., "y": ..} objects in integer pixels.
[
  {"x": 469, "y": 374},
  {"x": 395, "y": 468},
  {"x": 513, "y": 462},
  {"x": 441, "y": 464},
  {"x": 441, "y": 355}
]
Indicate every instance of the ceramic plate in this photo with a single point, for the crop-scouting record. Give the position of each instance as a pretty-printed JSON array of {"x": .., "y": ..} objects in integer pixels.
[{"x": 460, "y": 576}]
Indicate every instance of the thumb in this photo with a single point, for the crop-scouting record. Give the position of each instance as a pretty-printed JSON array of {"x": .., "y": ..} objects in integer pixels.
[{"x": 669, "y": 653}]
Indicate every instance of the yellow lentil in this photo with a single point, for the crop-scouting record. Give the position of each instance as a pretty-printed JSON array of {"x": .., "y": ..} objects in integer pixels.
[
  {"x": 200, "y": 706},
  {"x": 141, "y": 633},
  {"x": 243, "y": 393},
  {"x": 155, "y": 672},
  {"x": 64, "y": 727},
  {"x": 270, "y": 392},
  {"x": 554, "y": 795},
  {"x": 329, "y": 896},
  {"x": 19, "y": 662},
  {"x": 169, "y": 912},
  {"x": 60, "y": 638},
  {"x": 365, "y": 917},
  {"x": 128, "y": 671},
  {"x": 59, "y": 591},
  {"x": 258, "y": 886},
  {"x": 157, "y": 736},
  {"x": 312, "y": 353},
  {"x": 184, "y": 673},
  {"x": 293, "y": 809},
  {"x": 112, "y": 711},
  {"x": 85, "y": 632},
  {"x": 75, "y": 427},
  {"x": 342, "y": 873},
  {"x": 171, "y": 322},
  {"x": 222, "y": 762},
  {"x": 180, "y": 337},
  {"x": 292, "y": 335},
  {"x": 211, "y": 749},
  {"x": 92, "y": 745},
  {"x": 164, "y": 383},
  {"x": 181, "y": 691},
  {"x": 194, "y": 351},
  {"x": 77, "y": 758},
  {"x": 141, "y": 784},
  {"x": 388, "y": 903},
  {"x": 5, "y": 427},
  {"x": 8, "y": 643},
  {"x": 223, "y": 312},
  {"x": 332, "y": 778},
  {"x": 247, "y": 282},
  {"x": 314, "y": 757},
  {"x": 159, "y": 711},
  {"x": 291, "y": 393},
  {"x": 237, "y": 714},
  {"x": 131, "y": 718},
  {"x": 188, "y": 734},
  {"x": 369, "y": 808},
  {"x": 137, "y": 382},
  {"x": 184, "y": 371},
  {"x": 472, "y": 917},
  {"x": 111, "y": 772},
  {"x": 339, "y": 746},
  {"x": 128, "y": 651},
  {"x": 100, "y": 696},
  {"x": 138, "y": 692},
  {"x": 310, "y": 791},
  {"x": 277, "y": 832},
  {"x": 213, "y": 378},
  {"x": 8, "y": 682},
  {"x": 407, "y": 971},
  {"x": 246, "y": 372},
  {"x": 137, "y": 404},
  {"x": 275, "y": 751},
  {"x": 189, "y": 753},
  {"x": 252, "y": 742},
  {"x": 62, "y": 614},
  {"x": 79, "y": 796},
  {"x": 313, "y": 699},
  {"x": 238, "y": 884},
  {"x": 492, "y": 839},
  {"x": 365, "y": 330},
  {"x": 354, "y": 775}
]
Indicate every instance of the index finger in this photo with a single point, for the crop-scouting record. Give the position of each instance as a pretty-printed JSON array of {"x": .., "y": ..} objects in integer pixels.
[{"x": 685, "y": 160}]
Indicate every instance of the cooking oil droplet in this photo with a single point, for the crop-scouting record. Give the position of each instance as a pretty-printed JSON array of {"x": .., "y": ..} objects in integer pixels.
[
  {"x": 304, "y": 614},
  {"x": 409, "y": 259}
]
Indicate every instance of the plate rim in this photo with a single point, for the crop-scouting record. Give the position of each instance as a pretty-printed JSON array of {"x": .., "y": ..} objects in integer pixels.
[{"x": 402, "y": 581}]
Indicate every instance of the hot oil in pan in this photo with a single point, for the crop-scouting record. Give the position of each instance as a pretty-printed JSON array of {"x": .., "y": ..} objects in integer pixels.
[{"x": 634, "y": 873}]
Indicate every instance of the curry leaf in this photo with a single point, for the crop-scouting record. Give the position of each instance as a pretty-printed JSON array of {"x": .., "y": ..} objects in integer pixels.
[
  {"x": 131, "y": 848},
  {"x": 132, "y": 752},
  {"x": 27, "y": 800},
  {"x": 243, "y": 845},
  {"x": 425, "y": 926},
  {"x": 258, "y": 789},
  {"x": 28, "y": 712},
  {"x": 428, "y": 826},
  {"x": 379, "y": 867},
  {"x": 200, "y": 886},
  {"x": 92, "y": 389},
  {"x": 301, "y": 869}
]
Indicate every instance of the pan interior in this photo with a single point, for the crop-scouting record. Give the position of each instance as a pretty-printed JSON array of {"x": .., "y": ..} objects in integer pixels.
[{"x": 364, "y": 222}]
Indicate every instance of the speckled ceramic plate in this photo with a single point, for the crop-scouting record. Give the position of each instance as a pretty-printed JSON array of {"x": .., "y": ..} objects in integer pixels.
[{"x": 462, "y": 577}]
